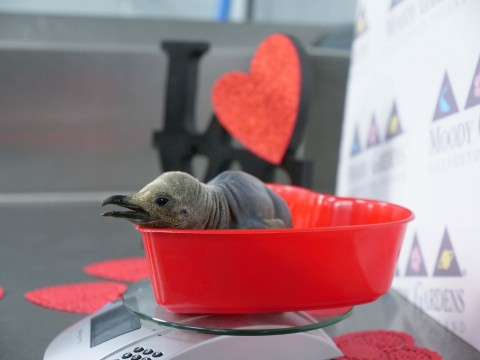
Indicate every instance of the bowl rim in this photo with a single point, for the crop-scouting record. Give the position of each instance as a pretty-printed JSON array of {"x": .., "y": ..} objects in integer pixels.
[{"x": 405, "y": 218}]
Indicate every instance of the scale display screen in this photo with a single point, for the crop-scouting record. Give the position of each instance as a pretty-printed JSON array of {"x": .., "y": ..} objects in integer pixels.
[{"x": 111, "y": 324}]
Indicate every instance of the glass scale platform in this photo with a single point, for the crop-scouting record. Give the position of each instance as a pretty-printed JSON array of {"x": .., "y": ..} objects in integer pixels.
[{"x": 140, "y": 300}]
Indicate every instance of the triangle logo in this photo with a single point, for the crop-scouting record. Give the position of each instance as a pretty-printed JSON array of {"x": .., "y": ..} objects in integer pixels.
[
  {"x": 394, "y": 127},
  {"x": 446, "y": 264},
  {"x": 446, "y": 104},
  {"x": 395, "y": 3},
  {"x": 360, "y": 21},
  {"x": 474, "y": 94},
  {"x": 356, "y": 147},
  {"x": 373, "y": 137},
  {"x": 416, "y": 264}
]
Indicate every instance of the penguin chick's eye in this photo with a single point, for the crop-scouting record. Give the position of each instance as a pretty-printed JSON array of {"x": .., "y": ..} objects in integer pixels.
[{"x": 162, "y": 201}]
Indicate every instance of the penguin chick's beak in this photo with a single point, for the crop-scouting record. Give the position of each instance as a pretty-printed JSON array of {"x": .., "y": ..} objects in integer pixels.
[{"x": 136, "y": 214}]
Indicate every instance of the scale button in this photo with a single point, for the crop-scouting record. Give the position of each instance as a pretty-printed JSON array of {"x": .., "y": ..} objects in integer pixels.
[
  {"x": 138, "y": 349},
  {"x": 157, "y": 354},
  {"x": 126, "y": 355},
  {"x": 147, "y": 352},
  {"x": 136, "y": 357}
]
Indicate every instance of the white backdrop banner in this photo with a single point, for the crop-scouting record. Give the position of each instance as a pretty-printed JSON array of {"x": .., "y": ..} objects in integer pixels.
[{"x": 411, "y": 135}]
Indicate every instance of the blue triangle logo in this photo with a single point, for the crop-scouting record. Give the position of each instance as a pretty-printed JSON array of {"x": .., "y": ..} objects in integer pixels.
[
  {"x": 373, "y": 137},
  {"x": 356, "y": 147},
  {"x": 446, "y": 264},
  {"x": 446, "y": 104},
  {"x": 416, "y": 264},
  {"x": 474, "y": 94},
  {"x": 394, "y": 127},
  {"x": 395, "y": 3}
]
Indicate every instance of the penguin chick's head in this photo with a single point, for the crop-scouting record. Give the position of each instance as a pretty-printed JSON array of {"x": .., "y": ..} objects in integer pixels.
[{"x": 173, "y": 200}]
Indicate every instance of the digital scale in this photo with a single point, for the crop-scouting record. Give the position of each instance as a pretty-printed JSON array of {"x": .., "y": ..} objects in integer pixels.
[{"x": 137, "y": 328}]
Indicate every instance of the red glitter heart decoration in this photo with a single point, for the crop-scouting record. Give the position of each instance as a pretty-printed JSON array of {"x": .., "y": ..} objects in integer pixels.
[
  {"x": 2, "y": 292},
  {"x": 382, "y": 344},
  {"x": 260, "y": 109},
  {"x": 413, "y": 353},
  {"x": 78, "y": 298},
  {"x": 380, "y": 338},
  {"x": 356, "y": 351},
  {"x": 127, "y": 269}
]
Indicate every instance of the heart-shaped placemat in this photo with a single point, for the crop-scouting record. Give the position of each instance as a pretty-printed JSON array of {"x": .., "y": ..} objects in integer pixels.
[
  {"x": 265, "y": 108},
  {"x": 356, "y": 351},
  {"x": 2, "y": 292},
  {"x": 78, "y": 298},
  {"x": 380, "y": 338},
  {"x": 382, "y": 344},
  {"x": 413, "y": 353},
  {"x": 126, "y": 269}
]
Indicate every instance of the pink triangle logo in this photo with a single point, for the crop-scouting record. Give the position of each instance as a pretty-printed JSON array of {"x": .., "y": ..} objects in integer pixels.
[
  {"x": 416, "y": 264},
  {"x": 474, "y": 94}
]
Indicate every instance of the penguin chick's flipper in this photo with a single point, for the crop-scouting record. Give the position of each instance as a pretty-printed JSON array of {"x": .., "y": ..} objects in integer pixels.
[{"x": 274, "y": 223}]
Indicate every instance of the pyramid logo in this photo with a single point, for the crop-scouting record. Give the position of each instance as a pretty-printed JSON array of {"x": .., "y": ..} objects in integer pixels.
[
  {"x": 446, "y": 264},
  {"x": 394, "y": 127},
  {"x": 373, "y": 138},
  {"x": 474, "y": 95},
  {"x": 356, "y": 147},
  {"x": 446, "y": 104},
  {"x": 361, "y": 21},
  {"x": 416, "y": 264}
]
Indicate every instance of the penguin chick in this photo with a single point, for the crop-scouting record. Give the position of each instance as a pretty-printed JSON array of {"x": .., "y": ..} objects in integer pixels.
[{"x": 177, "y": 200}]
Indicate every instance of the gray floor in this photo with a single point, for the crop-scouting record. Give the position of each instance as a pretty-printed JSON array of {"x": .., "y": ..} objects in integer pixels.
[{"x": 45, "y": 245}]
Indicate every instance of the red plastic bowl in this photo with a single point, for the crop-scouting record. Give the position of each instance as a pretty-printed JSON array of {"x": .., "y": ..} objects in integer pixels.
[{"x": 341, "y": 252}]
